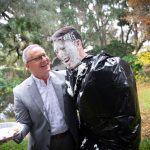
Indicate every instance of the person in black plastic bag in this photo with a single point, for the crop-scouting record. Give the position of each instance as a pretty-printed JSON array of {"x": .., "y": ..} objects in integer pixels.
[{"x": 105, "y": 91}]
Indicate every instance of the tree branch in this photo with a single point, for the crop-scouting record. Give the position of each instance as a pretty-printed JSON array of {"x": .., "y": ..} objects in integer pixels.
[
  {"x": 5, "y": 15},
  {"x": 139, "y": 46},
  {"x": 127, "y": 37}
]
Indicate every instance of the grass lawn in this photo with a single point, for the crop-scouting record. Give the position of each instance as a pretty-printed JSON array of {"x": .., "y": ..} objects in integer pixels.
[
  {"x": 11, "y": 145},
  {"x": 144, "y": 101}
]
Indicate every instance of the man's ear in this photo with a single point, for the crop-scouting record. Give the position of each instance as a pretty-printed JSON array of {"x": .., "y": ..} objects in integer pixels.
[
  {"x": 27, "y": 66},
  {"x": 78, "y": 43}
]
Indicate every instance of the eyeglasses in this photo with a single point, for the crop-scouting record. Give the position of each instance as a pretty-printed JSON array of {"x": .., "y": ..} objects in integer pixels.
[{"x": 37, "y": 59}]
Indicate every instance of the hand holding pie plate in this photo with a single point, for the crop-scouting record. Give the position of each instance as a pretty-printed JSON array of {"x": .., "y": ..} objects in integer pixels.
[{"x": 8, "y": 130}]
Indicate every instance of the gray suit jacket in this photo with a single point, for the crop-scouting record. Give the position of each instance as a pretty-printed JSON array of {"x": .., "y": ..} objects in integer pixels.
[{"x": 30, "y": 112}]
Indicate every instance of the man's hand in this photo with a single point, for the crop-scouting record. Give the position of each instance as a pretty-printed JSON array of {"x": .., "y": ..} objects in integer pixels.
[{"x": 18, "y": 138}]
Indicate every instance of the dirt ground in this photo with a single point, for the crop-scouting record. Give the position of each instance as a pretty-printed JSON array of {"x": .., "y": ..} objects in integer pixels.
[{"x": 145, "y": 116}]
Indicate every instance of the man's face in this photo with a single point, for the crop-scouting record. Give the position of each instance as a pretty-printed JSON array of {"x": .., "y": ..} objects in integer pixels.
[
  {"x": 38, "y": 62},
  {"x": 67, "y": 52}
]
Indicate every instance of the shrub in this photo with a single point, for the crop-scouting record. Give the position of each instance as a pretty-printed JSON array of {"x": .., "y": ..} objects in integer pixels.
[
  {"x": 115, "y": 48},
  {"x": 9, "y": 78},
  {"x": 6, "y": 95},
  {"x": 135, "y": 63},
  {"x": 144, "y": 57}
]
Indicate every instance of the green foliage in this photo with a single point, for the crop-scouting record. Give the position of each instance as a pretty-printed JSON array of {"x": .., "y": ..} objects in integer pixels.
[
  {"x": 34, "y": 21},
  {"x": 9, "y": 78},
  {"x": 10, "y": 73},
  {"x": 15, "y": 35},
  {"x": 14, "y": 146},
  {"x": 135, "y": 63},
  {"x": 121, "y": 14},
  {"x": 116, "y": 48},
  {"x": 95, "y": 50},
  {"x": 145, "y": 144},
  {"x": 6, "y": 96},
  {"x": 137, "y": 67}
]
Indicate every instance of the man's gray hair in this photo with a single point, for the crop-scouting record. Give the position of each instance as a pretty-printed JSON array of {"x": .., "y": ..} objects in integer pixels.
[{"x": 27, "y": 49}]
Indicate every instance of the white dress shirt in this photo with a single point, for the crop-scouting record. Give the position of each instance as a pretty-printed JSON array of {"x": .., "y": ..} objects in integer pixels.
[{"x": 51, "y": 105}]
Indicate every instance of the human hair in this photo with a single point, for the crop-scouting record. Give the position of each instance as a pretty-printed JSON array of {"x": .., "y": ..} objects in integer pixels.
[
  {"x": 27, "y": 49},
  {"x": 66, "y": 33}
]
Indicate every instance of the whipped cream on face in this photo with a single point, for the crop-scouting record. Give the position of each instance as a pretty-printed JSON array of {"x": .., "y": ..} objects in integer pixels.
[{"x": 67, "y": 52}]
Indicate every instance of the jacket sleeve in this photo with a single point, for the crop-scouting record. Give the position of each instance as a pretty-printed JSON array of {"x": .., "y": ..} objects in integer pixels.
[{"x": 22, "y": 117}]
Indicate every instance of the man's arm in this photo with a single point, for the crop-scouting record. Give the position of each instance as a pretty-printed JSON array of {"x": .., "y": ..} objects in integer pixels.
[{"x": 22, "y": 116}]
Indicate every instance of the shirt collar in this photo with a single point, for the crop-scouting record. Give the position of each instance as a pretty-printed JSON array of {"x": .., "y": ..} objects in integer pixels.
[{"x": 40, "y": 81}]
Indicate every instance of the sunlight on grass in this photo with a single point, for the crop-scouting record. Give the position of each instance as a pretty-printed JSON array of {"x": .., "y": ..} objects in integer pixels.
[{"x": 144, "y": 95}]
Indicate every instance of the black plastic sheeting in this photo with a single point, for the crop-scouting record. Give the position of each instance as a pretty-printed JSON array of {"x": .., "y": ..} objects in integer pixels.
[{"x": 108, "y": 103}]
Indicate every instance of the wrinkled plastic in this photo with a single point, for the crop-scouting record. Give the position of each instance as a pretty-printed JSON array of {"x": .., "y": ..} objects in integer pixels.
[{"x": 108, "y": 105}]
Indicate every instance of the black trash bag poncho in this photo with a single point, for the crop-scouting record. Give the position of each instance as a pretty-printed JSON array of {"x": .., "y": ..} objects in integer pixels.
[{"x": 108, "y": 103}]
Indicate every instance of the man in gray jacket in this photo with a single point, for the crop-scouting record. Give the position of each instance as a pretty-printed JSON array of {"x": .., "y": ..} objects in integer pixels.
[{"x": 42, "y": 106}]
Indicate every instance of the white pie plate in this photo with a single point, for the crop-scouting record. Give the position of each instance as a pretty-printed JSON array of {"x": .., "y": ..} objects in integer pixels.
[{"x": 8, "y": 130}]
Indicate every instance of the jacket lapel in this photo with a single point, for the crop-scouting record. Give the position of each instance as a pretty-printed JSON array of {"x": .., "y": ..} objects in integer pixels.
[
  {"x": 59, "y": 91},
  {"x": 34, "y": 92}
]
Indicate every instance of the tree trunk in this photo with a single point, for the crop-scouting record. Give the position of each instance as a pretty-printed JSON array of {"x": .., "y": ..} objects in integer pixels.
[
  {"x": 135, "y": 30},
  {"x": 122, "y": 34}
]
